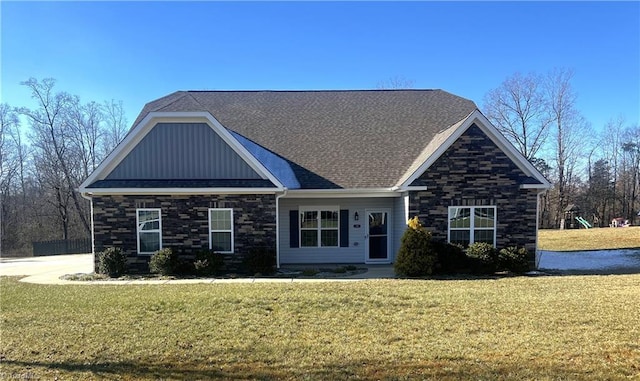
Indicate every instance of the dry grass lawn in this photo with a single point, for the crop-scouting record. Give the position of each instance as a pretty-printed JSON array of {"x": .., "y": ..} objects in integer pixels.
[
  {"x": 545, "y": 328},
  {"x": 589, "y": 239}
]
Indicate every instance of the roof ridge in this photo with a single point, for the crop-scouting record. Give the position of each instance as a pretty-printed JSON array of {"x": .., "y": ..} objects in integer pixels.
[
  {"x": 180, "y": 94},
  {"x": 310, "y": 91}
]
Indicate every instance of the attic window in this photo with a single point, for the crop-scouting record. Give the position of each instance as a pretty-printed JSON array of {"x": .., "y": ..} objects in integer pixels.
[{"x": 470, "y": 224}]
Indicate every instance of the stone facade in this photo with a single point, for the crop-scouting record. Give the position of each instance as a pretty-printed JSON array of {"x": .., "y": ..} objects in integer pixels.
[
  {"x": 475, "y": 172},
  {"x": 185, "y": 225}
]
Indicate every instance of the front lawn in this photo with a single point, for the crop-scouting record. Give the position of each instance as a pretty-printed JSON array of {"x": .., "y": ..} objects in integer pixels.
[{"x": 570, "y": 327}]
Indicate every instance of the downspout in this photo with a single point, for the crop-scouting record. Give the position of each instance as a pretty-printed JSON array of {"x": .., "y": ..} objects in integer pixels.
[
  {"x": 93, "y": 243},
  {"x": 278, "y": 197},
  {"x": 537, "y": 252}
]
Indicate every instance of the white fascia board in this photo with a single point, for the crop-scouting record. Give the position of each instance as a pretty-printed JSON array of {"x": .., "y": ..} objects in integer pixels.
[
  {"x": 142, "y": 129},
  {"x": 485, "y": 125},
  {"x": 342, "y": 193},
  {"x": 534, "y": 186},
  {"x": 176, "y": 191}
]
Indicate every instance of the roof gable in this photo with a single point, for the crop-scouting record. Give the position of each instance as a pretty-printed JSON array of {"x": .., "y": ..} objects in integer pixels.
[
  {"x": 180, "y": 151},
  {"x": 169, "y": 138},
  {"x": 532, "y": 177}
]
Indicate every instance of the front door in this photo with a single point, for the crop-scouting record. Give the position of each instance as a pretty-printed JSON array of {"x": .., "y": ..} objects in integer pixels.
[{"x": 377, "y": 238}]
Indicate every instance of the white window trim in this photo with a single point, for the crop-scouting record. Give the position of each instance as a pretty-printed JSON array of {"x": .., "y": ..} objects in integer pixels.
[
  {"x": 472, "y": 227},
  {"x": 138, "y": 230},
  {"x": 319, "y": 229},
  {"x": 211, "y": 231}
]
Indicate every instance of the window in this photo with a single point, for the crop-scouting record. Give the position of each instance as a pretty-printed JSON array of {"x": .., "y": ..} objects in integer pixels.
[
  {"x": 319, "y": 227},
  {"x": 469, "y": 224},
  {"x": 149, "y": 230},
  {"x": 221, "y": 230}
]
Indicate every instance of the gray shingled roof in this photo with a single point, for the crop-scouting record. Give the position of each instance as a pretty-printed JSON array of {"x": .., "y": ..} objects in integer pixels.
[{"x": 351, "y": 139}]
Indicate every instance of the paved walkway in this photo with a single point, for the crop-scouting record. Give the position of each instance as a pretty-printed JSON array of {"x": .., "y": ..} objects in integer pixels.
[{"x": 49, "y": 269}]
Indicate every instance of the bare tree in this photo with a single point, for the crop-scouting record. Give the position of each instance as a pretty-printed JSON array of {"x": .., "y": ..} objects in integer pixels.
[
  {"x": 52, "y": 137},
  {"x": 116, "y": 125},
  {"x": 569, "y": 130},
  {"x": 85, "y": 124},
  {"x": 630, "y": 175},
  {"x": 517, "y": 108},
  {"x": 395, "y": 82},
  {"x": 9, "y": 165}
]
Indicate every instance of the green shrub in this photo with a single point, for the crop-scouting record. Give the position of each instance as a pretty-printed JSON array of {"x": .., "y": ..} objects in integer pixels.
[
  {"x": 450, "y": 257},
  {"x": 260, "y": 260},
  {"x": 207, "y": 262},
  {"x": 112, "y": 262},
  {"x": 482, "y": 257},
  {"x": 416, "y": 256},
  {"x": 514, "y": 259},
  {"x": 351, "y": 268},
  {"x": 163, "y": 262}
]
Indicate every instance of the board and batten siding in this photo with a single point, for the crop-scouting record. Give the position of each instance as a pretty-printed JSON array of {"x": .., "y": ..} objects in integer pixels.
[
  {"x": 355, "y": 252},
  {"x": 182, "y": 151}
]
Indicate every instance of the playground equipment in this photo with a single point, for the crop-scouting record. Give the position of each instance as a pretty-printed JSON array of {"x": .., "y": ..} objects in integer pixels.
[
  {"x": 572, "y": 218},
  {"x": 583, "y": 222}
]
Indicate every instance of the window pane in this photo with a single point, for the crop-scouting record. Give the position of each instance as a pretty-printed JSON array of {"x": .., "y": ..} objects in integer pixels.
[
  {"x": 484, "y": 217},
  {"x": 150, "y": 225},
  {"x": 221, "y": 241},
  {"x": 459, "y": 218},
  {"x": 329, "y": 219},
  {"x": 149, "y": 242},
  {"x": 148, "y": 219},
  {"x": 461, "y": 237},
  {"x": 220, "y": 220},
  {"x": 329, "y": 238},
  {"x": 309, "y": 238},
  {"x": 309, "y": 219},
  {"x": 483, "y": 236}
]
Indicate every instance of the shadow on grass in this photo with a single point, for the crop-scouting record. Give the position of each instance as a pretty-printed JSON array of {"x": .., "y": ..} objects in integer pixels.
[{"x": 453, "y": 368}]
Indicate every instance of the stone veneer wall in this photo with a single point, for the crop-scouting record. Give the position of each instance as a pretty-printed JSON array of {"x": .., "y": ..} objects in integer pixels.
[
  {"x": 475, "y": 172},
  {"x": 185, "y": 225}
]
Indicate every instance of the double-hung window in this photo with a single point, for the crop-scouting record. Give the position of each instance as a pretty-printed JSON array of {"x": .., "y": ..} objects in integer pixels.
[
  {"x": 319, "y": 227},
  {"x": 149, "y": 230},
  {"x": 470, "y": 224},
  {"x": 221, "y": 230}
]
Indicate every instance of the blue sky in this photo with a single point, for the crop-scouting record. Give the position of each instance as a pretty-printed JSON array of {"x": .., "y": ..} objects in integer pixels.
[{"x": 140, "y": 51}]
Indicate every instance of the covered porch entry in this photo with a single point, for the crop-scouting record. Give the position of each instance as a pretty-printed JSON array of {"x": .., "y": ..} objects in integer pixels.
[{"x": 347, "y": 230}]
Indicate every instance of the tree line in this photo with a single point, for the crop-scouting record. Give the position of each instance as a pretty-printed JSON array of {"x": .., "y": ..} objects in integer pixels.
[
  {"x": 597, "y": 173},
  {"x": 43, "y": 163},
  {"x": 48, "y": 150}
]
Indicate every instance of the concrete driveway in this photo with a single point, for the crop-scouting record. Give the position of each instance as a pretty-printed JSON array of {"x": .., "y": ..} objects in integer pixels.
[{"x": 47, "y": 269}]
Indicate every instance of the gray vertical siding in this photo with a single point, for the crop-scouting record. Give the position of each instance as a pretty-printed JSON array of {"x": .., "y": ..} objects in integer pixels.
[
  {"x": 355, "y": 253},
  {"x": 182, "y": 151}
]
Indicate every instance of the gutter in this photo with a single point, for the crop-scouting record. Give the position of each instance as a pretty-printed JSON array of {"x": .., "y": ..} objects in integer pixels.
[{"x": 278, "y": 197}]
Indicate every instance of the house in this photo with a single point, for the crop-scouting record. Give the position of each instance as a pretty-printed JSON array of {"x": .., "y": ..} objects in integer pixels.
[{"x": 322, "y": 176}]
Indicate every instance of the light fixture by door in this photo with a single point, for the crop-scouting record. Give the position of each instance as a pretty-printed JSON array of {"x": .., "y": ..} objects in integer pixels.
[{"x": 356, "y": 217}]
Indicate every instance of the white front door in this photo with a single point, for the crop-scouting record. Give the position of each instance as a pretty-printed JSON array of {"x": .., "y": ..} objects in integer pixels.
[{"x": 377, "y": 240}]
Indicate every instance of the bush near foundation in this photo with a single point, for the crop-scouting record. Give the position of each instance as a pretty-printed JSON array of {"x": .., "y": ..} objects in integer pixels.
[
  {"x": 163, "y": 262},
  {"x": 482, "y": 258},
  {"x": 513, "y": 258},
  {"x": 416, "y": 256},
  {"x": 112, "y": 262},
  {"x": 451, "y": 258},
  {"x": 207, "y": 262},
  {"x": 260, "y": 260}
]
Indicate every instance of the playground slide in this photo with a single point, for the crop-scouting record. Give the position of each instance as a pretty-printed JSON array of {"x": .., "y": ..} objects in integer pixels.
[{"x": 583, "y": 222}]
